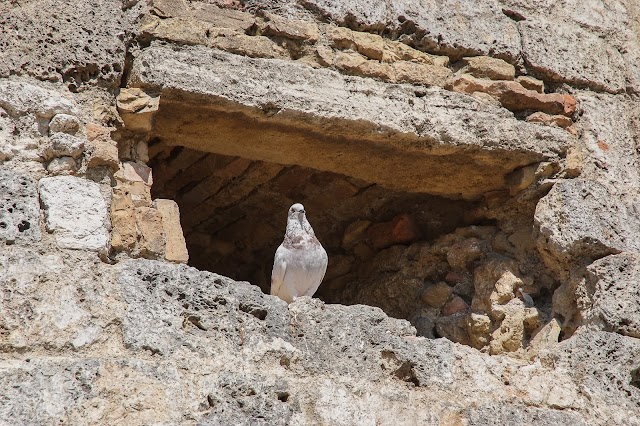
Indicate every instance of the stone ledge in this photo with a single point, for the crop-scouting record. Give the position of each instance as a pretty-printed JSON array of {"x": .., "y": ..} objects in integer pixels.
[{"x": 402, "y": 136}]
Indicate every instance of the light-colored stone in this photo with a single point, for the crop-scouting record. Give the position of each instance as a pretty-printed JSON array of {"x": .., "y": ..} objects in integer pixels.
[
  {"x": 293, "y": 29},
  {"x": 417, "y": 73},
  {"x": 488, "y": 67},
  {"x": 103, "y": 151},
  {"x": 175, "y": 245},
  {"x": 252, "y": 46},
  {"x": 137, "y": 108},
  {"x": 562, "y": 51},
  {"x": 64, "y": 123},
  {"x": 135, "y": 172},
  {"x": 544, "y": 338},
  {"x": 61, "y": 165},
  {"x": 20, "y": 98},
  {"x": 63, "y": 145},
  {"x": 355, "y": 63},
  {"x": 75, "y": 212},
  {"x": 608, "y": 296},
  {"x": 581, "y": 219}
]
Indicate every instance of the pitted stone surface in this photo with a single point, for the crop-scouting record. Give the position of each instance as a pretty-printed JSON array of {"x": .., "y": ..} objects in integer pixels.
[
  {"x": 19, "y": 209},
  {"x": 75, "y": 212}
]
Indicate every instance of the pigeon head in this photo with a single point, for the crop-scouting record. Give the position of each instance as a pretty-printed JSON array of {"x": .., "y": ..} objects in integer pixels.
[{"x": 296, "y": 211}]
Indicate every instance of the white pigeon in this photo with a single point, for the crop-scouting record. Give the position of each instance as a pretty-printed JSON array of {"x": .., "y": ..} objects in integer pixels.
[{"x": 300, "y": 262}]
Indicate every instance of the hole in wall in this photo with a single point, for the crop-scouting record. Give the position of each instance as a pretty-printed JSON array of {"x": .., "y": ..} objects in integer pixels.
[{"x": 233, "y": 213}]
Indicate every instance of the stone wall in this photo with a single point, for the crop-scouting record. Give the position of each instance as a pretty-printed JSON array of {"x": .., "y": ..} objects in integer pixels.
[{"x": 471, "y": 167}]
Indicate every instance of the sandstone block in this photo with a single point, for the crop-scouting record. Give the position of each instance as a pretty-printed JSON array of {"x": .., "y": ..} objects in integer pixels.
[
  {"x": 61, "y": 165},
  {"x": 397, "y": 51},
  {"x": 514, "y": 97},
  {"x": 437, "y": 295},
  {"x": 19, "y": 209},
  {"x": 479, "y": 327},
  {"x": 367, "y": 44},
  {"x": 103, "y": 151},
  {"x": 509, "y": 337},
  {"x": 417, "y": 73},
  {"x": 64, "y": 123},
  {"x": 544, "y": 338},
  {"x": 136, "y": 108},
  {"x": 252, "y": 46},
  {"x": 293, "y": 29},
  {"x": 523, "y": 177},
  {"x": 123, "y": 222},
  {"x": 531, "y": 83},
  {"x": 488, "y": 67},
  {"x": 355, "y": 63},
  {"x": 403, "y": 229},
  {"x": 151, "y": 243},
  {"x": 75, "y": 212},
  {"x": 63, "y": 145},
  {"x": 175, "y": 245}
]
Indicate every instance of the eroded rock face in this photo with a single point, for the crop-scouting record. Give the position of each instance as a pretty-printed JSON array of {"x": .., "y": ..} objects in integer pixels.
[{"x": 354, "y": 100}]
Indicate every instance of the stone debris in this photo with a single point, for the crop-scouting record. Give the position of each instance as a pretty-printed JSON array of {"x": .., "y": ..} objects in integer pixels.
[{"x": 402, "y": 229}]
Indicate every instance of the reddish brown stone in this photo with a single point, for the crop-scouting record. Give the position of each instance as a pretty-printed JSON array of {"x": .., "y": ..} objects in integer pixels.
[
  {"x": 603, "y": 145},
  {"x": 455, "y": 306},
  {"x": 513, "y": 96},
  {"x": 403, "y": 229}
]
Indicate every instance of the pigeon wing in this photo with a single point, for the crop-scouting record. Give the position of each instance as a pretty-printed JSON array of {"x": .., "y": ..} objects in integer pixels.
[{"x": 278, "y": 271}]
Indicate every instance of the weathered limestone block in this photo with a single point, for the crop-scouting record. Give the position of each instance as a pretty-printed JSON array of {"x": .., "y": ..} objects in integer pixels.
[
  {"x": 581, "y": 219},
  {"x": 544, "y": 338},
  {"x": 293, "y": 29},
  {"x": 509, "y": 336},
  {"x": 64, "y": 123},
  {"x": 525, "y": 176},
  {"x": 562, "y": 51},
  {"x": 514, "y": 97},
  {"x": 62, "y": 52},
  {"x": 608, "y": 297},
  {"x": 488, "y": 67},
  {"x": 63, "y": 145},
  {"x": 19, "y": 98},
  {"x": 19, "y": 208},
  {"x": 75, "y": 212},
  {"x": 61, "y": 165},
  {"x": 462, "y": 254},
  {"x": 175, "y": 245},
  {"x": 219, "y": 17},
  {"x": 355, "y": 63}
]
